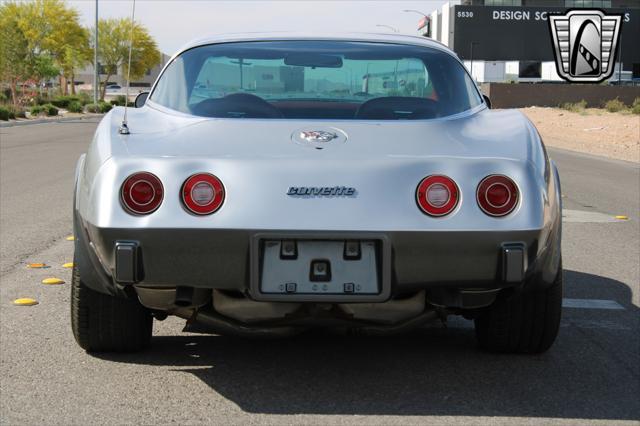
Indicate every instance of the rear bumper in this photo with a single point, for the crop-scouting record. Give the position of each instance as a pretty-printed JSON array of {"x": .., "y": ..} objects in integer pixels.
[{"x": 221, "y": 259}]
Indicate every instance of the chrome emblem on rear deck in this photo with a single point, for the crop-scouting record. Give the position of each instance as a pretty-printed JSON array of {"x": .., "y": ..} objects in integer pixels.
[{"x": 317, "y": 136}]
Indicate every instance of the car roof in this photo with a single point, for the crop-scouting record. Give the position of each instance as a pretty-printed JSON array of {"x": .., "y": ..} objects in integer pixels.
[{"x": 284, "y": 35}]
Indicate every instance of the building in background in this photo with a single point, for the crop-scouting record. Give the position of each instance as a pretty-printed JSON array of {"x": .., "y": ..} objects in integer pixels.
[
  {"x": 84, "y": 79},
  {"x": 509, "y": 40}
]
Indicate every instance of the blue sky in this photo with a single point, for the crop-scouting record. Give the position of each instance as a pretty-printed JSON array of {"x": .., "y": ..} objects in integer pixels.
[{"x": 174, "y": 22}]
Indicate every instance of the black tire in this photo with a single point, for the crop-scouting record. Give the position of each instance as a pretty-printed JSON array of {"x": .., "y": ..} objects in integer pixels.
[
  {"x": 103, "y": 323},
  {"x": 522, "y": 322}
]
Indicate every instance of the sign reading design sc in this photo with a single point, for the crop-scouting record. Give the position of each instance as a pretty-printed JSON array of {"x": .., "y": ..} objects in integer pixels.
[{"x": 522, "y": 33}]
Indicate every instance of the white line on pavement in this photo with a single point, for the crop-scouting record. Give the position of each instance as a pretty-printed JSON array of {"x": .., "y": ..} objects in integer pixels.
[
  {"x": 591, "y": 304},
  {"x": 581, "y": 216},
  {"x": 593, "y": 324},
  {"x": 458, "y": 322}
]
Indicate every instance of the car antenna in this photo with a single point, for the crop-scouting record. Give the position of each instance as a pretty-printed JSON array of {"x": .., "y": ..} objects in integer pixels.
[{"x": 124, "y": 128}]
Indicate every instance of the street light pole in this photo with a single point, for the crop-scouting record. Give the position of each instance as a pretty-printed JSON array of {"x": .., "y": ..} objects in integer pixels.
[
  {"x": 96, "y": 76},
  {"x": 241, "y": 62},
  {"x": 427, "y": 17},
  {"x": 387, "y": 26},
  {"x": 472, "y": 43},
  {"x": 415, "y": 11},
  {"x": 620, "y": 60}
]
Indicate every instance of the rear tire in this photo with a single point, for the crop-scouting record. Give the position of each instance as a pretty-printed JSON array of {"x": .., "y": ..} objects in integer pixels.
[
  {"x": 103, "y": 323},
  {"x": 522, "y": 322}
]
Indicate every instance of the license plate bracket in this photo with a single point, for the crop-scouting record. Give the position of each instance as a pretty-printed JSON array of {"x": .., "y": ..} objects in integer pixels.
[{"x": 320, "y": 267}]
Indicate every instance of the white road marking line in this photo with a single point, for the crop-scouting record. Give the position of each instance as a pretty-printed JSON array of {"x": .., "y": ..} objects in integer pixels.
[
  {"x": 581, "y": 216},
  {"x": 459, "y": 323},
  {"x": 593, "y": 324},
  {"x": 591, "y": 304}
]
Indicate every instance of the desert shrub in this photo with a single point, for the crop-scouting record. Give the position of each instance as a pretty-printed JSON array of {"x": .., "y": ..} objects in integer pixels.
[
  {"x": 101, "y": 107},
  {"x": 84, "y": 98},
  {"x": 9, "y": 112},
  {"x": 92, "y": 108},
  {"x": 574, "y": 106},
  {"x": 36, "y": 110},
  {"x": 47, "y": 109},
  {"x": 64, "y": 101},
  {"x": 17, "y": 112},
  {"x": 60, "y": 101},
  {"x": 105, "y": 107},
  {"x": 119, "y": 100},
  {"x": 74, "y": 106},
  {"x": 635, "y": 107},
  {"x": 615, "y": 105},
  {"x": 40, "y": 99},
  {"x": 50, "y": 109}
]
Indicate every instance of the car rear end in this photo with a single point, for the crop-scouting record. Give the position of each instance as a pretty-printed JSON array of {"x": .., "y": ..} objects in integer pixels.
[
  {"x": 254, "y": 221},
  {"x": 259, "y": 225}
]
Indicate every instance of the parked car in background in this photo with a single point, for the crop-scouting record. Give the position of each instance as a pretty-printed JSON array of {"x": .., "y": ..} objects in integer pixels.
[{"x": 114, "y": 89}]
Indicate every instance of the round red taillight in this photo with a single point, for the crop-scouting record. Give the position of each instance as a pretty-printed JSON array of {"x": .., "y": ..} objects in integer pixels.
[
  {"x": 437, "y": 195},
  {"x": 202, "y": 193},
  {"x": 497, "y": 195},
  {"x": 142, "y": 193}
]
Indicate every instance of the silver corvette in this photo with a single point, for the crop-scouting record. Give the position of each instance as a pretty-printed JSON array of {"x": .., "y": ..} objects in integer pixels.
[{"x": 269, "y": 184}]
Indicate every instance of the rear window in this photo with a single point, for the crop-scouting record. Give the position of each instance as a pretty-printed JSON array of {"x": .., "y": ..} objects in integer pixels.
[{"x": 316, "y": 80}]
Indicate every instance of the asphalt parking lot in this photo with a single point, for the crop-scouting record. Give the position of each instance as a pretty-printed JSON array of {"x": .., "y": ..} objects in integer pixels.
[{"x": 434, "y": 375}]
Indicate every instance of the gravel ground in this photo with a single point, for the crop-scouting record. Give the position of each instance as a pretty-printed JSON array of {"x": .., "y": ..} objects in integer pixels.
[{"x": 594, "y": 131}]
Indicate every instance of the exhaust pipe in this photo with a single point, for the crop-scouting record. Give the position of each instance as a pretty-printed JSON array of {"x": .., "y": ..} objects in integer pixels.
[
  {"x": 226, "y": 326},
  {"x": 184, "y": 296},
  {"x": 219, "y": 324},
  {"x": 403, "y": 327}
]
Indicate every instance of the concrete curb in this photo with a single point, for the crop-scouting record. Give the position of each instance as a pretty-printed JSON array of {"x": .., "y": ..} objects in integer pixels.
[
  {"x": 590, "y": 156},
  {"x": 47, "y": 120}
]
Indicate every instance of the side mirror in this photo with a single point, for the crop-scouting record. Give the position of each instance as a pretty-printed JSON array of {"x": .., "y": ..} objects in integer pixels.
[
  {"x": 141, "y": 99},
  {"x": 486, "y": 101}
]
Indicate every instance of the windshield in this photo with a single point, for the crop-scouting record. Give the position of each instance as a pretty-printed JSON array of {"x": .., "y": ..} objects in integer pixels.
[{"x": 316, "y": 80}]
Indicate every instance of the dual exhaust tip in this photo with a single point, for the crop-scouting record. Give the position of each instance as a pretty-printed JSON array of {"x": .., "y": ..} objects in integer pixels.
[{"x": 184, "y": 297}]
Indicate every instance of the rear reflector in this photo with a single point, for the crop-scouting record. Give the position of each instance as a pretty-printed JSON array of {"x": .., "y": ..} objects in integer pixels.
[
  {"x": 202, "y": 193},
  {"x": 437, "y": 195},
  {"x": 497, "y": 195},
  {"x": 141, "y": 193}
]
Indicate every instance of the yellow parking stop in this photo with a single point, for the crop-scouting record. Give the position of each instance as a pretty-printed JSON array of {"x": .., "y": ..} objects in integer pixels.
[
  {"x": 52, "y": 281},
  {"x": 25, "y": 301}
]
